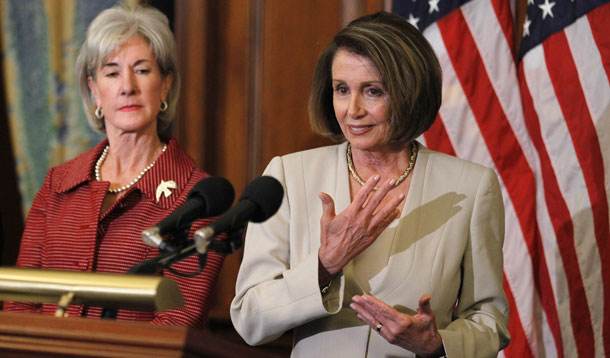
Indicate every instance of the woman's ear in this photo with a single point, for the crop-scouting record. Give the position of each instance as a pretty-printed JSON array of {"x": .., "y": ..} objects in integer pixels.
[
  {"x": 166, "y": 85},
  {"x": 93, "y": 88}
]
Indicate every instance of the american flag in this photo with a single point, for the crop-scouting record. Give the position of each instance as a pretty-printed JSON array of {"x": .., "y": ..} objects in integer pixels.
[{"x": 539, "y": 116}]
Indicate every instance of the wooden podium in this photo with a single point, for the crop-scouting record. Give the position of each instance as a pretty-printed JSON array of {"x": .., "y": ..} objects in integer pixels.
[{"x": 34, "y": 335}]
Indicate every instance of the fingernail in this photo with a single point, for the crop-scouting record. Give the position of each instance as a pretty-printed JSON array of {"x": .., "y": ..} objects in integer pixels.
[
  {"x": 401, "y": 196},
  {"x": 392, "y": 181},
  {"x": 352, "y": 306},
  {"x": 376, "y": 178}
]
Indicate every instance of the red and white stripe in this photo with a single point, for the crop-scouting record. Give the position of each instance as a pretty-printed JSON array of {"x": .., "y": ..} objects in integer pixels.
[{"x": 544, "y": 126}]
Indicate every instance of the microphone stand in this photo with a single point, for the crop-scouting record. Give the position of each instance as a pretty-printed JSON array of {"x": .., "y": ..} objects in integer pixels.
[
  {"x": 226, "y": 246},
  {"x": 229, "y": 245}
]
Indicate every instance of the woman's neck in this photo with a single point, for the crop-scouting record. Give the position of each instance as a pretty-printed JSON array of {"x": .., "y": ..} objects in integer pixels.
[
  {"x": 386, "y": 162},
  {"x": 129, "y": 154}
]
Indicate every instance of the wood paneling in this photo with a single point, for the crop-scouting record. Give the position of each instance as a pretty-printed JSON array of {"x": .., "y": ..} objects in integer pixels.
[
  {"x": 229, "y": 101},
  {"x": 372, "y": 6},
  {"x": 191, "y": 35},
  {"x": 294, "y": 33}
]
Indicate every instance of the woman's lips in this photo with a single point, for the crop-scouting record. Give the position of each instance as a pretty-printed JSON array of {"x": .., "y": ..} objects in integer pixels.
[
  {"x": 359, "y": 129},
  {"x": 131, "y": 107}
]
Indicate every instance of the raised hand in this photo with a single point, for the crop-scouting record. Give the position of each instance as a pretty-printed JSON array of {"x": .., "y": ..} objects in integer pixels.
[
  {"x": 417, "y": 333},
  {"x": 346, "y": 235}
]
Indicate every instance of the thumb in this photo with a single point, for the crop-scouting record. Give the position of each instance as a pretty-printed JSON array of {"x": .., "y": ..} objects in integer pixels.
[
  {"x": 328, "y": 206},
  {"x": 424, "y": 305}
]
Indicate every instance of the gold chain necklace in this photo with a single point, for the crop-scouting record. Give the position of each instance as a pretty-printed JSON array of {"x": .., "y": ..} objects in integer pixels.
[{"x": 352, "y": 170}]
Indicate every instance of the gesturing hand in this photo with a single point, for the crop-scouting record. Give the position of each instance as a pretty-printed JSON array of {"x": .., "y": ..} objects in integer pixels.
[
  {"x": 416, "y": 333},
  {"x": 344, "y": 236}
]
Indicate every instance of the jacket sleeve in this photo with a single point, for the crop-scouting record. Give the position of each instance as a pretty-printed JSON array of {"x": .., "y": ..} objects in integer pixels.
[
  {"x": 276, "y": 292},
  {"x": 30, "y": 251},
  {"x": 480, "y": 323}
]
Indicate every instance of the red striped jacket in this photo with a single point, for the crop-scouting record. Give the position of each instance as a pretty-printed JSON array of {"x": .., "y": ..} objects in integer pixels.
[{"x": 65, "y": 231}]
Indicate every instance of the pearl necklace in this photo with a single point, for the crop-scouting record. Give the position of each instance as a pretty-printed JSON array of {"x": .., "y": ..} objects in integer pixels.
[
  {"x": 350, "y": 165},
  {"x": 99, "y": 162}
]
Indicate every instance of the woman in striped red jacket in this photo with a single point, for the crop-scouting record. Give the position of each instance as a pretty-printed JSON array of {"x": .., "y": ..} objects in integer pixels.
[{"x": 91, "y": 211}]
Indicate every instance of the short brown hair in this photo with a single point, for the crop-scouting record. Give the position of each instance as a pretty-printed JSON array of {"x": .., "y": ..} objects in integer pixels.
[{"x": 408, "y": 66}]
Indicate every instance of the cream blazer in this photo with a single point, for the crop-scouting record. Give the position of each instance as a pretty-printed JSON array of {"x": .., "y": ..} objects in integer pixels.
[{"x": 448, "y": 242}]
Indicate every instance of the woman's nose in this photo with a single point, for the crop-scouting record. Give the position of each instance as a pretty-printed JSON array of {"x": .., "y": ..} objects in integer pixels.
[
  {"x": 129, "y": 86},
  {"x": 355, "y": 107}
]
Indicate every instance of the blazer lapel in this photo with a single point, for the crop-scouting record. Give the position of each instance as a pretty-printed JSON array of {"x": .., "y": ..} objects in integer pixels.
[
  {"x": 342, "y": 194},
  {"x": 334, "y": 183},
  {"x": 401, "y": 258}
]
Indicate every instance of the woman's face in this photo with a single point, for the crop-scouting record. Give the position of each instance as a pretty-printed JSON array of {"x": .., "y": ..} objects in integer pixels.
[
  {"x": 360, "y": 100},
  {"x": 129, "y": 88}
]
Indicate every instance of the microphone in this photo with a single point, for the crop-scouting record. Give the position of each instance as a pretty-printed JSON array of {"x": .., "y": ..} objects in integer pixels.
[
  {"x": 261, "y": 199},
  {"x": 209, "y": 197}
]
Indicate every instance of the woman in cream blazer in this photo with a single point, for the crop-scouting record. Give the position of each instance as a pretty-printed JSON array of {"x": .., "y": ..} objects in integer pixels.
[
  {"x": 447, "y": 242},
  {"x": 430, "y": 283}
]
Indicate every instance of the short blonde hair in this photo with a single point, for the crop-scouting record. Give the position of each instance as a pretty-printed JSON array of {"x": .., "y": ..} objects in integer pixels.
[
  {"x": 408, "y": 67},
  {"x": 107, "y": 33}
]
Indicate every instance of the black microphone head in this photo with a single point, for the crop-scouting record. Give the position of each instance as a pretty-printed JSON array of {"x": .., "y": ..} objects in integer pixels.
[
  {"x": 217, "y": 194},
  {"x": 267, "y": 193}
]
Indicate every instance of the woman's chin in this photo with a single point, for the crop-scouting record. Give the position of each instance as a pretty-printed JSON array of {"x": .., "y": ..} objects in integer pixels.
[
  {"x": 131, "y": 127},
  {"x": 366, "y": 144}
]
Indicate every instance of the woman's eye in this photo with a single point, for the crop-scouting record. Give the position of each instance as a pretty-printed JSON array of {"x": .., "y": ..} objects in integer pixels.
[
  {"x": 375, "y": 92},
  {"x": 341, "y": 90},
  {"x": 112, "y": 74},
  {"x": 143, "y": 71}
]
